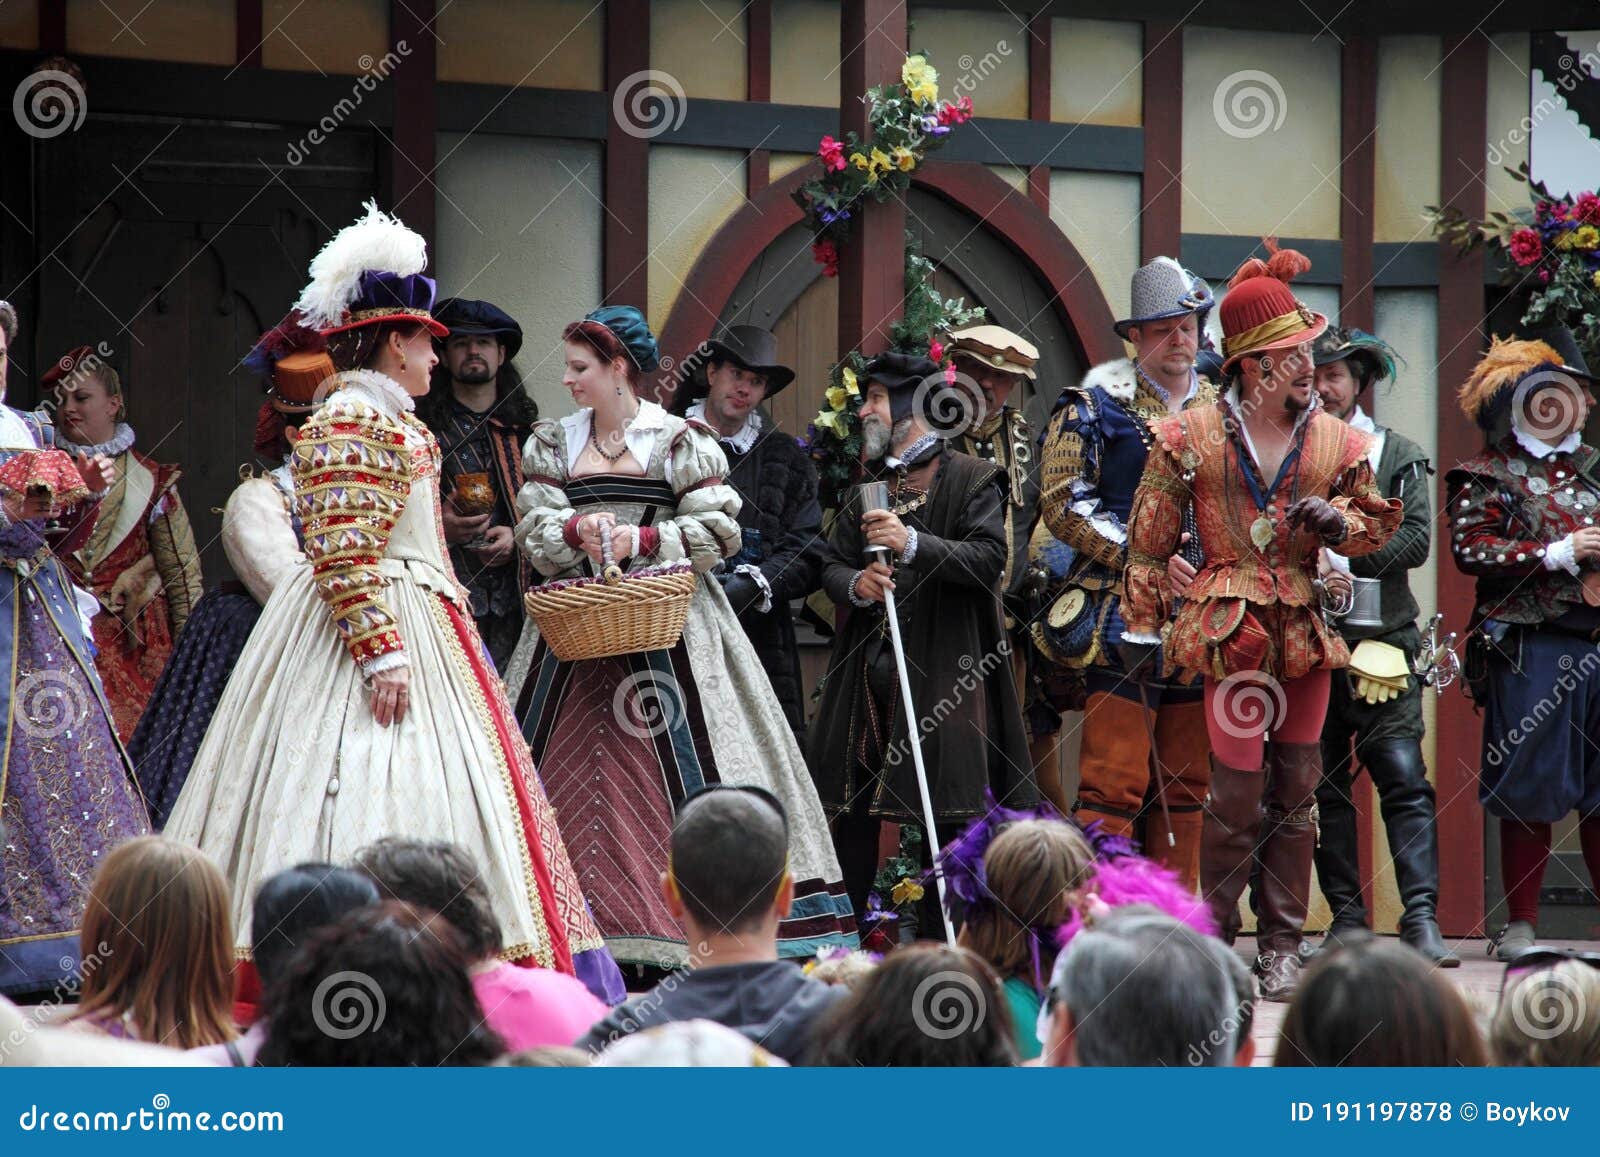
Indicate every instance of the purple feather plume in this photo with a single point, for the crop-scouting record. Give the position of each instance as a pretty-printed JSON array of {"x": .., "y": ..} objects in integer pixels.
[{"x": 1125, "y": 880}]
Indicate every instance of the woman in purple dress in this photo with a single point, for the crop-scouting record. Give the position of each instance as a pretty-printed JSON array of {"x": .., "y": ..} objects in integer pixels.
[{"x": 66, "y": 792}]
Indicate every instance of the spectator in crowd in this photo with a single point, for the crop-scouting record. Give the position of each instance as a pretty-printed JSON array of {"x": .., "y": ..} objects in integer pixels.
[
  {"x": 527, "y": 1007},
  {"x": 1377, "y": 1002},
  {"x": 728, "y": 885},
  {"x": 1549, "y": 1017},
  {"x": 157, "y": 947},
  {"x": 925, "y": 1006},
  {"x": 546, "y": 1057},
  {"x": 1034, "y": 870},
  {"x": 25, "y": 1043},
  {"x": 385, "y": 986},
  {"x": 289, "y": 906},
  {"x": 688, "y": 1044},
  {"x": 1139, "y": 987}
]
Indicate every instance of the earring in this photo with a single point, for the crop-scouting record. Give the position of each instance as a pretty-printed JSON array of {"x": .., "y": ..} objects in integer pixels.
[
  {"x": 619, "y": 391},
  {"x": 402, "y": 363}
]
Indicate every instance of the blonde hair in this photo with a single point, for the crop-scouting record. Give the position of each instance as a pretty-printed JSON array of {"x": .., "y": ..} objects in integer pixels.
[
  {"x": 1034, "y": 870},
  {"x": 158, "y": 933},
  {"x": 1550, "y": 1019}
]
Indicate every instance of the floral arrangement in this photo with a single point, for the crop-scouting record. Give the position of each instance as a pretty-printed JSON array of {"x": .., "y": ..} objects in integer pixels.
[
  {"x": 907, "y": 120},
  {"x": 834, "y": 436},
  {"x": 1556, "y": 256}
]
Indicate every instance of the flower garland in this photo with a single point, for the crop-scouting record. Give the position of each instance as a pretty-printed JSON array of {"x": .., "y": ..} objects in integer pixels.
[
  {"x": 833, "y": 438},
  {"x": 1557, "y": 256},
  {"x": 907, "y": 120}
]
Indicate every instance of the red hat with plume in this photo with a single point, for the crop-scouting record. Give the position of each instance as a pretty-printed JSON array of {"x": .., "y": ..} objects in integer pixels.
[{"x": 1260, "y": 313}]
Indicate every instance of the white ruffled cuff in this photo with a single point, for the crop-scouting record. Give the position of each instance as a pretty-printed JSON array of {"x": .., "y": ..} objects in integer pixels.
[
  {"x": 910, "y": 552},
  {"x": 1104, "y": 523},
  {"x": 387, "y": 661},
  {"x": 761, "y": 581},
  {"x": 855, "y": 599},
  {"x": 1560, "y": 555},
  {"x": 1136, "y": 637}
]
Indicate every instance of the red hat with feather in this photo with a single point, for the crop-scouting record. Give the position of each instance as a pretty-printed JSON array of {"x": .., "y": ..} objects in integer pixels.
[{"x": 1260, "y": 313}]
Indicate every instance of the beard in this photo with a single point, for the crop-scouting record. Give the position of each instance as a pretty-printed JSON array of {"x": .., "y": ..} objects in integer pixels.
[
  {"x": 874, "y": 438},
  {"x": 474, "y": 373}
]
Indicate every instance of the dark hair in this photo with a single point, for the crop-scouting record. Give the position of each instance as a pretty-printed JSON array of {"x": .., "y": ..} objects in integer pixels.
[
  {"x": 729, "y": 851},
  {"x": 604, "y": 343},
  {"x": 8, "y": 321},
  {"x": 925, "y": 1006},
  {"x": 512, "y": 403},
  {"x": 292, "y": 903},
  {"x": 1377, "y": 1002},
  {"x": 357, "y": 349},
  {"x": 441, "y": 877},
  {"x": 386, "y": 985}
]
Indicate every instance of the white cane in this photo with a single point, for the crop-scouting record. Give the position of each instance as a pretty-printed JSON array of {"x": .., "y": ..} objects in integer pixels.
[{"x": 874, "y": 496}]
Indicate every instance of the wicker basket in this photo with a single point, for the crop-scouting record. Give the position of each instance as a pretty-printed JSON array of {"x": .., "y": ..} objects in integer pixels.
[{"x": 615, "y": 614}]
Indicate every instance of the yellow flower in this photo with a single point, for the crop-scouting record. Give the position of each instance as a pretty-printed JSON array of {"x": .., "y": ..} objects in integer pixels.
[
  {"x": 920, "y": 78},
  {"x": 880, "y": 161},
  {"x": 837, "y": 397},
  {"x": 907, "y": 891},
  {"x": 905, "y": 160},
  {"x": 859, "y": 160},
  {"x": 829, "y": 420},
  {"x": 848, "y": 376},
  {"x": 1585, "y": 237},
  {"x": 1595, "y": 280}
]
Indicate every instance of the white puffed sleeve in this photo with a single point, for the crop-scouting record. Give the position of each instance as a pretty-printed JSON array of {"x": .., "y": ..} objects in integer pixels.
[
  {"x": 705, "y": 529},
  {"x": 542, "y": 507},
  {"x": 258, "y": 537}
]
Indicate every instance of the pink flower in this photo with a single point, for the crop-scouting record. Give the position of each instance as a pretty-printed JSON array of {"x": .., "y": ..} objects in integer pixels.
[
  {"x": 936, "y": 350},
  {"x": 1526, "y": 248},
  {"x": 957, "y": 112},
  {"x": 950, "y": 375},
  {"x": 832, "y": 154},
  {"x": 826, "y": 254},
  {"x": 1587, "y": 209}
]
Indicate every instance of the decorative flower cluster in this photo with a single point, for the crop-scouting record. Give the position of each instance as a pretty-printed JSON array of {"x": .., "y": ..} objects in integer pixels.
[
  {"x": 906, "y": 119},
  {"x": 1556, "y": 257}
]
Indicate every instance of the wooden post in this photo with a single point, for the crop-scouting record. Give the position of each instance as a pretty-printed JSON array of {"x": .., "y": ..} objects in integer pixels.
[
  {"x": 416, "y": 117},
  {"x": 625, "y": 240},
  {"x": 872, "y": 262},
  {"x": 758, "y": 85},
  {"x": 1161, "y": 191},
  {"x": 1039, "y": 99},
  {"x": 1464, "y": 87}
]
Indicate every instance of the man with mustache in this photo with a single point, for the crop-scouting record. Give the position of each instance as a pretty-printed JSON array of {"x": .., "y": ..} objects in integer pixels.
[
  {"x": 945, "y": 529},
  {"x": 481, "y": 415},
  {"x": 780, "y": 523},
  {"x": 1271, "y": 480}
]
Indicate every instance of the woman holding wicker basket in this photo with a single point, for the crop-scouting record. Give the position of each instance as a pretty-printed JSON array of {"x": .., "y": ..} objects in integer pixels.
[{"x": 633, "y": 681}]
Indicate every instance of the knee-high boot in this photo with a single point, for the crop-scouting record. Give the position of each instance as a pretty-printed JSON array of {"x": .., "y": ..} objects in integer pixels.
[
  {"x": 1407, "y": 801},
  {"x": 1338, "y": 847},
  {"x": 1228, "y": 841},
  {"x": 1289, "y": 839}
]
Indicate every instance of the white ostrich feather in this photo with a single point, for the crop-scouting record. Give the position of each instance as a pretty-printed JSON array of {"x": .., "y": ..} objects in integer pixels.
[{"x": 378, "y": 242}]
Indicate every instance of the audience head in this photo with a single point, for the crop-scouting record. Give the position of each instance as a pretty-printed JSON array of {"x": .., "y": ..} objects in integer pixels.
[
  {"x": 442, "y": 878},
  {"x": 925, "y": 1006},
  {"x": 385, "y": 985},
  {"x": 1139, "y": 987},
  {"x": 1377, "y": 1002},
  {"x": 157, "y": 945},
  {"x": 688, "y": 1044},
  {"x": 729, "y": 871},
  {"x": 546, "y": 1057},
  {"x": 292, "y": 903},
  {"x": 1549, "y": 1017},
  {"x": 1034, "y": 871}
]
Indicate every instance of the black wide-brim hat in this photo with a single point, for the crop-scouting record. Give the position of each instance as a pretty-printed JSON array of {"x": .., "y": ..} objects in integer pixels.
[
  {"x": 748, "y": 346},
  {"x": 468, "y": 316}
]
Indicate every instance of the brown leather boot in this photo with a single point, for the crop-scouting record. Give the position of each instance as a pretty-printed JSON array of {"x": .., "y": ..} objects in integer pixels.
[
  {"x": 1228, "y": 841},
  {"x": 1182, "y": 854},
  {"x": 1045, "y": 753},
  {"x": 1289, "y": 841}
]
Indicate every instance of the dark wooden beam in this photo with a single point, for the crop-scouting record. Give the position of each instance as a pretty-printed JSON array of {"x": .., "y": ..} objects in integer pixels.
[
  {"x": 758, "y": 85},
  {"x": 413, "y": 141},
  {"x": 247, "y": 33},
  {"x": 1161, "y": 192},
  {"x": 1464, "y": 83},
  {"x": 1039, "y": 100},
  {"x": 1358, "y": 176},
  {"x": 625, "y": 238},
  {"x": 872, "y": 263}
]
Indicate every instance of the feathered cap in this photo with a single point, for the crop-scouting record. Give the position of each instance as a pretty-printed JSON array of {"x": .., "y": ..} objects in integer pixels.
[
  {"x": 1373, "y": 358},
  {"x": 370, "y": 273},
  {"x": 1508, "y": 364},
  {"x": 1260, "y": 313},
  {"x": 1161, "y": 289},
  {"x": 294, "y": 359}
]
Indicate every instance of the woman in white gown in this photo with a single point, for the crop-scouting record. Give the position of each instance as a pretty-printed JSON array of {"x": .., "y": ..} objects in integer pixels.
[
  {"x": 621, "y": 741},
  {"x": 386, "y": 720}
]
